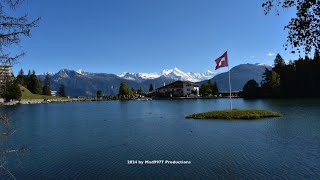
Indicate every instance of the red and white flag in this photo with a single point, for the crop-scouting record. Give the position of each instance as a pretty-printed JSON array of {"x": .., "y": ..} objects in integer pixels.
[{"x": 222, "y": 61}]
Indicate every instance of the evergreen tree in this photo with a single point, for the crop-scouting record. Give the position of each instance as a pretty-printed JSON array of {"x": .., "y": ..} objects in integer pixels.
[
  {"x": 13, "y": 91},
  {"x": 62, "y": 91},
  {"x": 205, "y": 90},
  {"x": 251, "y": 89},
  {"x": 139, "y": 90},
  {"x": 99, "y": 94},
  {"x": 124, "y": 89},
  {"x": 20, "y": 77},
  {"x": 34, "y": 84},
  {"x": 215, "y": 89},
  {"x": 278, "y": 63},
  {"x": 151, "y": 89},
  {"x": 266, "y": 78},
  {"x": 297, "y": 79},
  {"x": 26, "y": 79},
  {"x": 46, "y": 87}
]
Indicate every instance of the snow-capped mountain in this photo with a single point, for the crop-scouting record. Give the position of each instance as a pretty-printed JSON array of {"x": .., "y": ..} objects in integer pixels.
[
  {"x": 81, "y": 83},
  {"x": 174, "y": 73}
]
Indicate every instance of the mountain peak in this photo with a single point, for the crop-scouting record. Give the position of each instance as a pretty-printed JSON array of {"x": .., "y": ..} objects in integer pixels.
[
  {"x": 80, "y": 71},
  {"x": 174, "y": 73}
]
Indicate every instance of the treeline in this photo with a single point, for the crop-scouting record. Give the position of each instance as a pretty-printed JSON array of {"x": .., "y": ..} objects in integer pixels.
[
  {"x": 124, "y": 93},
  {"x": 299, "y": 78},
  {"x": 209, "y": 89},
  {"x": 11, "y": 86},
  {"x": 34, "y": 84},
  {"x": 31, "y": 82}
]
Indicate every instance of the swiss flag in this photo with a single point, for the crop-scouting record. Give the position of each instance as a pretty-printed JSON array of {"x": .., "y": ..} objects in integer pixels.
[{"x": 222, "y": 61}]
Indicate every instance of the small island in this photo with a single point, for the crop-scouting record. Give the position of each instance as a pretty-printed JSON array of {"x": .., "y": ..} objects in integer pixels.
[{"x": 235, "y": 114}]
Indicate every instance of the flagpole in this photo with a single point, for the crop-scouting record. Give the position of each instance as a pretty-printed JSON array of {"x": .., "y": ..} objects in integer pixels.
[{"x": 230, "y": 87}]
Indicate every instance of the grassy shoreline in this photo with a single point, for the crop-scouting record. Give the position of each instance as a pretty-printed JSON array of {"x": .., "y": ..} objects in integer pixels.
[{"x": 235, "y": 114}]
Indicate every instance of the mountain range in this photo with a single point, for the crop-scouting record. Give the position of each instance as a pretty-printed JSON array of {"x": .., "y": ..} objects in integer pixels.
[
  {"x": 174, "y": 73},
  {"x": 81, "y": 83}
]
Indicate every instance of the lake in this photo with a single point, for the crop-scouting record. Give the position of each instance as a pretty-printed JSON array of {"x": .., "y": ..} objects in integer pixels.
[{"x": 95, "y": 140}]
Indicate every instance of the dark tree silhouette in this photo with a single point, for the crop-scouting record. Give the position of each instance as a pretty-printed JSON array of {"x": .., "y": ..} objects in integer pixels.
[
  {"x": 304, "y": 29},
  {"x": 151, "y": 88},
  {"x": 13, "y": 91},
  {"x": 209, "y": 89},
  {"x": 251, "y": 89},
  {"x": 62, "y": 91},
  {"x": 99, "y": 93},
  {"x": 34, "y": 84},
  {"x": 46, "y": 90},
  {"x": 278, "y": 63},
  {"x": 300, "y": 78}
]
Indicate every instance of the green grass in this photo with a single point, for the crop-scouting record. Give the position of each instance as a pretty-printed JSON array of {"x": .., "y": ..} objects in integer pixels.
[
  {"x": 27, "y": 95},
  {"x": 235, "y": 114}
]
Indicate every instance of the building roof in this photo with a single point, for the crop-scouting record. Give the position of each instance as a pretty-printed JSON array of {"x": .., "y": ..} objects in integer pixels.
[{"x": 176, "y": 84}]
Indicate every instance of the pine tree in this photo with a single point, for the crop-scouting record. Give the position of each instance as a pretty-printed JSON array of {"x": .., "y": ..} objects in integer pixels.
[
  {"x": 21, "y": 72},
  {"x": 99, "y": 94},
  {"x": 61, "y": 91},
  {"x": 13, "y": 91},
  {"x": 27, "y": 79},
  {"x": 34, "y": 84},
  {"x": 205, "y": 90},
  {"x": 46, "y": 87},
  {"x": 124, "y": 89},
  {"x": 20, "y": 77},
  {"x": 151, "y": 89},
  {"x": 266, "y": 78},
  {"x": 215, "y": 89},
  {"x": 278, "y": 63},
  {"x": 251, "y": 89}
]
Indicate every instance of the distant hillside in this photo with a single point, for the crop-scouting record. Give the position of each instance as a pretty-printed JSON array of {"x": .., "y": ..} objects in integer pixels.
[
  {"x": 240, "y": 75},
  {"x": 79, "y": 83}
]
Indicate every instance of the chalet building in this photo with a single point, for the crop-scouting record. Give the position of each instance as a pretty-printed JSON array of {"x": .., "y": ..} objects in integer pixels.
[
  {"x": 5, "y": 74},
  {"x": 179, "y": 89}
]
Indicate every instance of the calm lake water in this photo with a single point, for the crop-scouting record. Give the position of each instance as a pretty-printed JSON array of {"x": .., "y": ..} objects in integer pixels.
[{"x": 94, "y": 140}]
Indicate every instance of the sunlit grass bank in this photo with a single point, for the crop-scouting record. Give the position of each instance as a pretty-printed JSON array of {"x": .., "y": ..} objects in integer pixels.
[{"x": 27, "y": 95}]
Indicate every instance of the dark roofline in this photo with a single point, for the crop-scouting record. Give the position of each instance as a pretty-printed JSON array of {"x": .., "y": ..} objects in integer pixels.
[{"x": 176, "y": 82}]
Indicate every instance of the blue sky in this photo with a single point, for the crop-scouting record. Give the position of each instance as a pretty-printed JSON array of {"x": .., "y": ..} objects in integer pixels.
[{"x": 114, "y": 36}]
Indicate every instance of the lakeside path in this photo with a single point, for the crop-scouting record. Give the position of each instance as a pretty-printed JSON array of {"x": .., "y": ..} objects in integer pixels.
[
  {"x": 43, "y": 101},
  {"x": 64, "y": 100},
  {"x": 59, "y": 100}
]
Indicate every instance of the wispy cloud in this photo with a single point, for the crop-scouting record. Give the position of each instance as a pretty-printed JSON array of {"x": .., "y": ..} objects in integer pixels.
[{"x": 271, "y": 54}]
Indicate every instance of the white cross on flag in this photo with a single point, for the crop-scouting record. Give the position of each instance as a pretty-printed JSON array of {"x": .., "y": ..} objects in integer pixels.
[{"x": 222, "y": 61}]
